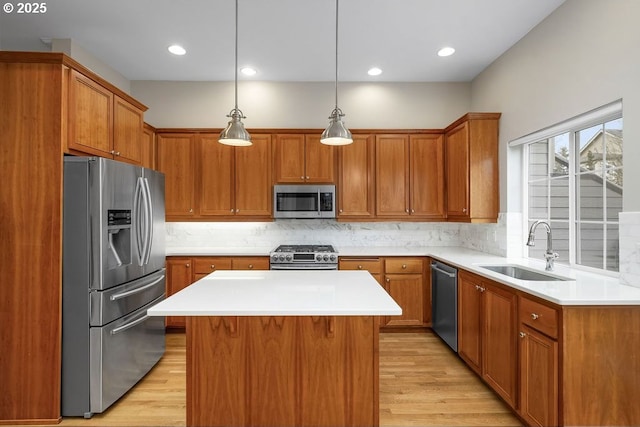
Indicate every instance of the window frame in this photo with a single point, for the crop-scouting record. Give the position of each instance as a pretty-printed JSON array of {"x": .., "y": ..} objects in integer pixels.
[{"x": 599, "y": 116}]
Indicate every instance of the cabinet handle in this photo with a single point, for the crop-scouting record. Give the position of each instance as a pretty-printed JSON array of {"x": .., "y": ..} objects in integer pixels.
[
  {"x": 404, "y": 266},
  {"x": 388, "y": 280},
  {"x": 359, "y": 267},
  {"x": 237, "y": 210},
  {"x": 522, "y": 335},
  {"x": 187, "y": 265},
  {"x": 302, "y": 178},
  {"x": 231, "y": 210},
  {"x": 250, "y": 266},
  {"x": 406, "y": 210},
  {"x": 477, "y": 288},
  {"x": 113, "y": 151},
  {"x": 413, "y": 211},
  {"x": 213, "y": 266},
  {"x": 464, "y": 210},
  {"x": 482, "y": 289},
  {"x": 340, "y": 210},
  {"x": 534, "y": 316},
  {"x": 307, "y": 177},
  {"x": 191, "y": 210},
  {"x": 117, "y": 153}
]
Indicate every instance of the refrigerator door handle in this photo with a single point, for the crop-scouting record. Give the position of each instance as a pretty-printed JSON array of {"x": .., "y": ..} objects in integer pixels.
[
  {"x": 149, "y": 223},
  {"x": 129, "y": 325},
  {"x": 137, "y": 201},
  {"x": 136, "y": 290}
]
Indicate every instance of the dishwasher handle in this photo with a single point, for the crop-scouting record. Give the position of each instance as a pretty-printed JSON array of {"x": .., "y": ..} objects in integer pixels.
[{"x": 439, "y": 270}]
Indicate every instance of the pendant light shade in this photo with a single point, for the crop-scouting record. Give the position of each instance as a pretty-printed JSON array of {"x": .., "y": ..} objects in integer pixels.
[
  {"x": 337, "y": 133},
  {"x": 235, "y": 134}
]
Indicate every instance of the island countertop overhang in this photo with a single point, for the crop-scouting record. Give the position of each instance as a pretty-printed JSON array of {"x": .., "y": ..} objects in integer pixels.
[{"x": 281, "y": 293}]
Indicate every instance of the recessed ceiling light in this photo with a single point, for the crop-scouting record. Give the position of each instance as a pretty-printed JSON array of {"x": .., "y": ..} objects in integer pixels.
[
  {"x": 248, "y": 71},
  {"x": 446, "y": 51},
  {"x": 375, "y": 71},
  {"x": 176, "y": 49}
]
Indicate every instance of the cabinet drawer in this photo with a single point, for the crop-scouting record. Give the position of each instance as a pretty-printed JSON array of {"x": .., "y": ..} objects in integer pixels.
[
  {"x": 372, "y": 265},
  {"x": 251, "y": 263},
  {"x": 403, "y": 265},
  {"x": 539, "y": 316},
  {"x": 206, "y": 265}
]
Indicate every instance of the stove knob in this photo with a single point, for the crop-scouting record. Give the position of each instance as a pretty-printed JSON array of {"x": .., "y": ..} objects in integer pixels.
[
  {"x": 332, "y": 257},
  {"x": 326, "y": 257},
  {"x": 318, "y": 257},
  {"x": 281, "y": 258},
  {"x": 274, "y": 258},
  {"x": 289, "y": 257}
]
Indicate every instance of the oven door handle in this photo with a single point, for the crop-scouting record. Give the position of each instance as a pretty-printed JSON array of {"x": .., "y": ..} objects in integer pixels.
[{"x": 299, "y": 267}]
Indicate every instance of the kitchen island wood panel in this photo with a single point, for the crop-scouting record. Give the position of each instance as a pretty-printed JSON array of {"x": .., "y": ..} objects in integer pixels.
[{"x": 282, "y": 370}]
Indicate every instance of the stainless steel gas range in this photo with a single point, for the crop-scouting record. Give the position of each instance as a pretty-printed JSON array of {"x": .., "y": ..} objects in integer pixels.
[{"x": 304, "y": 257}]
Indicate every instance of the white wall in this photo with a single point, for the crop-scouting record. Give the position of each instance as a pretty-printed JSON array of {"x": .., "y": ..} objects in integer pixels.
[
  {"x": 582, "y": 56},
  {"x": 77, "y": 52},
  {"x": 303, "y": 105}
]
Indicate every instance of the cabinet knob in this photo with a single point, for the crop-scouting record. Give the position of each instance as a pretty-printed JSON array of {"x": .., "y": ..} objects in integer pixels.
[
  {"x": 464, "y": 210},
  {"x": 522, "y": 335},
  {"x": 482, "y": 289},
  {"x": 477, "y": 288},
  {"x": 307, "y": 177},
  {"x": 250, "y": 266},
  {"x": 213, "y": 266},
  {"x": 302, "y": 178},
  {"x": 340, "y": 210},
  {"x": 406, "y": 210},
  {"x": 231, "y": 210},
  {"x": 117, "y": 153},
  {"x": 359, "y": 267},
  {"x": 388, "y": 280},
  {"x": 187, "y": 265},
  {"x": 113, "y": 151},
  {"x": 534, "y": 316},
  {"x": 191, "y": 210},
  {"x": 237, "y": 210}
]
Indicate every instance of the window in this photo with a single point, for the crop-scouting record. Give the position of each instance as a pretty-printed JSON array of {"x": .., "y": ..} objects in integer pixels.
[{"x": 574, "y": 181}]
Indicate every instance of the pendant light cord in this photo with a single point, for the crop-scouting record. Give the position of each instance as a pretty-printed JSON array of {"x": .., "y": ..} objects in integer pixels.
[
  {"x": 336, "y": 82},
  {"x": 236, "y": 63}
]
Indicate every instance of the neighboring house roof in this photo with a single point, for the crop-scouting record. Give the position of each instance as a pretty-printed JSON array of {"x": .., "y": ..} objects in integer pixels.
[{"x": 592, "y": 152}]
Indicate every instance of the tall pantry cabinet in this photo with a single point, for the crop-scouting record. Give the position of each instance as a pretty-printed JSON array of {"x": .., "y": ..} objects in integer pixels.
[{"x": 37, "y": 118}]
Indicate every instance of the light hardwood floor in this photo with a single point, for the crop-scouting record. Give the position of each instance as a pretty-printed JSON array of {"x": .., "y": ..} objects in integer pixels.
[{"x": 422, "y": 383}]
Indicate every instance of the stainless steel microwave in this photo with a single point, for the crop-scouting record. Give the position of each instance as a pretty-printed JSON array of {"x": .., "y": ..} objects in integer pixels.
[{"x": 304, "y": 201}]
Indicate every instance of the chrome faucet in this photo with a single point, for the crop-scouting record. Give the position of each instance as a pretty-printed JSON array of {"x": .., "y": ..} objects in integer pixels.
[{"x": 549, "y": 255}]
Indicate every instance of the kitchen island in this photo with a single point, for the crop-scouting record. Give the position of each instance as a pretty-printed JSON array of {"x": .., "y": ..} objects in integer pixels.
[{"x": 285, "y": 348}]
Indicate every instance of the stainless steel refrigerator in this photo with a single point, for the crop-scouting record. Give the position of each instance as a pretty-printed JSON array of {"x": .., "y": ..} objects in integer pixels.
[{"x": 113, "y": 271}]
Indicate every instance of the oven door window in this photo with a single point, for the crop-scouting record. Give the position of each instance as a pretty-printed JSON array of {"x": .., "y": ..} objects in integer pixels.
[{"x": 297, "y": 202}]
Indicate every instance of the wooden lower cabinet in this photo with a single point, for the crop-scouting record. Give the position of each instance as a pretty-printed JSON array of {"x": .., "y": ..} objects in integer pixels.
[
  {"x": 487, "y": 325},
  {"x": 282, "y": 371},
  {"x": 404, "y": 280},
  {"x": 183, "y": 271}
]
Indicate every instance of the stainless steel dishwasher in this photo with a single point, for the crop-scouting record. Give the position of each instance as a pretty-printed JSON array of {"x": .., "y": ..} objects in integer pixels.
[{"x": 444, "y": 296}]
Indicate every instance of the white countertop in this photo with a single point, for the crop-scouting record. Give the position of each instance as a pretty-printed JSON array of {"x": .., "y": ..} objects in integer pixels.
[
  {"x": 280, "y": 293},
  {"x": 584, "y": 288}
]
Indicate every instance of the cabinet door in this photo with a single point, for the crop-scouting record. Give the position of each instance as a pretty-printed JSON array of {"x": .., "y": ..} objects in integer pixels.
[
  {"x": 392, "y": 175},
  {"x": 356, "y": 178},
  {"x": 216, "y": 177},
  {"x": 176, "y": 161},
  {"x": 319, "y": 161},
  {"x": 427, "y": 176},
  {"x": 499, "y": 356},
  {"x": 457, "y": 170},
  {"x": 253, "y": 195},
  {"x": 288, "y": 158},
  {"x": 148, "y": 147},
  {"x": 178, "y": 277},
  {"x": 407, "y": 291},
  {"x": 538, "y": 378},
  {"x": 469, "y": 321},
  {"x": 127, "y": 131},
  {"x": 90, "y": 116}
]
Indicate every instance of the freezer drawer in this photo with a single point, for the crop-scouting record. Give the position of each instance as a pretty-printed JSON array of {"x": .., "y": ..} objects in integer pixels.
[{"x": 113, "y": 303}]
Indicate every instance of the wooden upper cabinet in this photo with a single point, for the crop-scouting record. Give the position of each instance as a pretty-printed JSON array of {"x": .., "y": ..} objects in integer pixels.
[
  {"x": 471, "y": 156},
  {"x": 90, "y": 116},
  {"x": 176, "y": 159},
  {"x": 427, "y": 175},
  {"x": 102, "y": 123},
  {"x": 392, "y": 175},
  {"x": 216, "y": 176},
  {"x": 410, "y": 176},
  {"x": 148, "y": 146},
  {"x": 253, "y": 193},
  {"x": 127, "y": 131},
  {"x": 356, "y": 196},
  {"x": 301, "y": 158}
]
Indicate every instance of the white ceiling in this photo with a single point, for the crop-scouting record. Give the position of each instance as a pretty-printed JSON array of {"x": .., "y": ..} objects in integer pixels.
[{"x": 286, "y": 40}]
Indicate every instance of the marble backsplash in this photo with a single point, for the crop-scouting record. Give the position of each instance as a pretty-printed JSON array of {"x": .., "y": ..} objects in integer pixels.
[
  {"x": 491, "y": 238},
  {"x": 630, "y": 248}
]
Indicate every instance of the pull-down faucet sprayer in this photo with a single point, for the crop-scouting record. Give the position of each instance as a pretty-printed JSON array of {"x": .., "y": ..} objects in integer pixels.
[{"x": 549, "y": 255}]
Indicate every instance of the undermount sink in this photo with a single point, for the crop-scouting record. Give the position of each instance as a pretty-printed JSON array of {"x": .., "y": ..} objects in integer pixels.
[{"x": 523, "y": 273}]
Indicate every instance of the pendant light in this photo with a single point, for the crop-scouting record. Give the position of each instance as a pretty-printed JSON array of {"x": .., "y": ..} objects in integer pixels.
[
  {"x": 235, "y": 134},
  {"x": 336, "y": 133}
]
